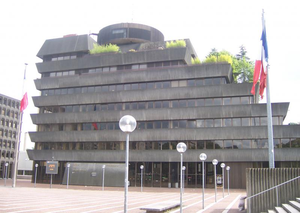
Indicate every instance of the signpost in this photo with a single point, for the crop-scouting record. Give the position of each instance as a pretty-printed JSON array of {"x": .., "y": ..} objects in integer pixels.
[{"x": 52, "y": 169}]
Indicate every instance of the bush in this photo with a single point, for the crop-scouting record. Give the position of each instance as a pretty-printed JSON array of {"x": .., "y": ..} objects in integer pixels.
[
  {"x": 195, "y": 60},
  {"x": 104, "y": 48},
  {"x": 211, "y": 59},
  {"x": 177, "y": 43},
  {"x": 225, "y": 58}
]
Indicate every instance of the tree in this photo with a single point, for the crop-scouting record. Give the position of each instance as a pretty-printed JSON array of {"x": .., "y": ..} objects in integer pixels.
[
  {"x": 242, "y": 67},
  {"x": 242, "y": 54},
  {"x": 244, "y": 71}
]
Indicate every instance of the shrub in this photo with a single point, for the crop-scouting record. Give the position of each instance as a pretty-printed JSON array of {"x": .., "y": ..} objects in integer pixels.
[
  {"x": 177, "y": 43},
  {"x": 211, "y": 59},
  {"x": 195, "y": 60},
  {"x": 225, "y": 58},
  {"x": 104, "y": 48}
]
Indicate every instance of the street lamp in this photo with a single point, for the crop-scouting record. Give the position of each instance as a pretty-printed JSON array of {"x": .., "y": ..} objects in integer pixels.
[
  {"x": 103, "y": 171},
  {"x": 183, "y": 173},
  {"x": 228, "y": 168},
  {"x": 215, "y": 162},
  {"x": 223, "y": 183},
  {"x": 6, "y": 165},
  {"x": 181, "y": 148},
  {"x": 141, "y": 167},
  {"x": 68, "y": 174},
  {"x": 36, "y": 166},
  {"x": 203, "y": 157},
  {"x": 127, "y": 124}
]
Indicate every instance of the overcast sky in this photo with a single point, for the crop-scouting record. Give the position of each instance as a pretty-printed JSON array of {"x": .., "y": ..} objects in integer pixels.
[{"x": 224, "y": 25}]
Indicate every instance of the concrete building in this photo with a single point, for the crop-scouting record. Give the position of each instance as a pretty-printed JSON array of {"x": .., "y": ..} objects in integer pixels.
[
  {"x": 83, "y": 97},
  {"x": 9, "y": 131}
]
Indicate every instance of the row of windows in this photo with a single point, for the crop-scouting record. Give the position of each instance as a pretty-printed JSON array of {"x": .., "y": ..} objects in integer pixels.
[
  {"x": 65, "y": 57},
  {"x": 112, "y": 68},
  {"x": 7, "y": 144},
  {"x": 6, "y": 154},
  {"x": 150, "y": 105},
  {"x": 8, "y": 134},
  {"x": 135, "y": 86},
  {"x": 9, "y": 113},
  {"x": 189, "y": 124},
  {"x": 8, "y": 123},
  {"x": 9, "y": 102},
  {"x": 168, "y": 145}
]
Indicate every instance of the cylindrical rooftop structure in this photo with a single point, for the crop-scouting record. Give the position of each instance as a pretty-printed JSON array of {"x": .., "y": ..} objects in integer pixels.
[{"x": 126, "y": 33}]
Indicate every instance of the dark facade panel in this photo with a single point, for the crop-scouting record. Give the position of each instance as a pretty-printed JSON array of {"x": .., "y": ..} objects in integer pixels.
[
  {"x": 72, "y": 44},
  {"x": 249, "y": 155},
  {"x": 219, "y": 91},
  {"x": 157, "y": 74},
  {"x": 229, "y": 111},
  {"x": 214, "y": 133},
  {"x": 124, "y": 33},
  {"x": 114, "y": 59}
]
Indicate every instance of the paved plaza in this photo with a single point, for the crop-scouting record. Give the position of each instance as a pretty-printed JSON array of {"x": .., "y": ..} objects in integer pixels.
[{"x": 27, "y": 198}]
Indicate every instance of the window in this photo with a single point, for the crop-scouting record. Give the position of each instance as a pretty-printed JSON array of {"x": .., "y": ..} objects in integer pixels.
[
  {"x": 150, "y": 85},
  {"x": 199, "y": 82},
  {"x": 182, "y": 124},
  {"x": 218, "y": 122},
  {"x": 209, "y": 122},
  {"x": 191, "y": 124}
]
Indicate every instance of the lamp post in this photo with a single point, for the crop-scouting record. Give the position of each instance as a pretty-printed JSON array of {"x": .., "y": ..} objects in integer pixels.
[
  {"x": 203, "y": 157},
  {"x": 127, "y": 124},
  {"x": 215, "y": 162},
  {"x": 183, "y": 174},
  {"x": 6, "y": 166},
  {"x": 68, "y": 174},
  {"x": 181, "y": 148},
  {"x": 36, "y": 166},
  {"x": 228, "y": 168},
  {"x": 141, "y": 167},
  {"x": 103, "y": 172},
  {"x": 223, "y": 183}
]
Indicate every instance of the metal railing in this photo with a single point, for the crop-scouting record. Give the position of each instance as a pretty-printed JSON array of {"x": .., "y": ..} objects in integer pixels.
[{"x": 274, "y": 187}]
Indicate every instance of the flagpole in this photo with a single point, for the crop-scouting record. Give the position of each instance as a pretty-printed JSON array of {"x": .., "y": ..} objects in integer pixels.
[
  {"x": 17, "y": 147},
  {"x": 270, "y": 124},
  {"x": 269, "y": 107}
]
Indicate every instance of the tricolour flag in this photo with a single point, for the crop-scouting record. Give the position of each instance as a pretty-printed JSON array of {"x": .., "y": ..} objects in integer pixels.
[
  {"x": 261, "y": 66},
  {"x": 24, "y": 102}
]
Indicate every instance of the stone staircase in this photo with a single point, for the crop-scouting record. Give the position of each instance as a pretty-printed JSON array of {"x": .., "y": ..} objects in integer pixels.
[{"x": 291, "y": 207}]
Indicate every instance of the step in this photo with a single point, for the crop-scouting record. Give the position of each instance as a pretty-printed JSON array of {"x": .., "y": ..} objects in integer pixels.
[
  {"x": 289, "y": 208},
  {"x": 295, "y": 204},
  {"x": 298, "y": 199},
  {"x": 271, "y": 211},
  {"x": 280, "y": 210}
]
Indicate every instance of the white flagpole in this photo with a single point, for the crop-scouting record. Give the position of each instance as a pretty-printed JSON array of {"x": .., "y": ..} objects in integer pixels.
[
  {"x": 17, "y": 147},
  {"x": 269, "y": 114}
]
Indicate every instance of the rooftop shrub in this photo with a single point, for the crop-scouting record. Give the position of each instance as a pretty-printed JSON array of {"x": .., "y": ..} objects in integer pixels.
[
  {"x": 177, "y": 43},
  {"x": 195, "y": 60},
  {"x": 104, "y": 48}
]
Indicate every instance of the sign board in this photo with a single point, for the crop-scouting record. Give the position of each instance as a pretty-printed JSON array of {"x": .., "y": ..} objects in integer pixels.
[{"x": 52, "y": 167}]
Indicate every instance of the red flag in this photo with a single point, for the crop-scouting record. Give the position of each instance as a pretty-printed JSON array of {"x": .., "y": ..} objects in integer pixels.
[
  {"x": 262, "y": 83},
  {"x": 95, "y": 126},
  {"x": 256, "y": 75},
  {"x": 24, "y": 102}
]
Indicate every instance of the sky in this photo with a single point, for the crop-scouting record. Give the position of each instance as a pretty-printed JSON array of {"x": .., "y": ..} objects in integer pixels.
[{"x": 224, "y": 25}]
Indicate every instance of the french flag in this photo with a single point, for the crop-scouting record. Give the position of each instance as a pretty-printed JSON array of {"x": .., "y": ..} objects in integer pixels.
[{"x": 261, "y": 66}]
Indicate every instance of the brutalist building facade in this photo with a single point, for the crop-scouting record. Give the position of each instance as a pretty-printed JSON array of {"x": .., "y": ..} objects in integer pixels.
[
  {"x": 83, "y": 97},
  {"x": 9, "y": 131}
]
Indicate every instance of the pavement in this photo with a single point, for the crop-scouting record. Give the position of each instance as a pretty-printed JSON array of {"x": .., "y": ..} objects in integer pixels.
[{"x": 28, "y": 197}]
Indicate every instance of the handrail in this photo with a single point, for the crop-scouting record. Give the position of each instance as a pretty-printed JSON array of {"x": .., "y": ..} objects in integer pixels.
[{"x": 274, "y": 187}]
